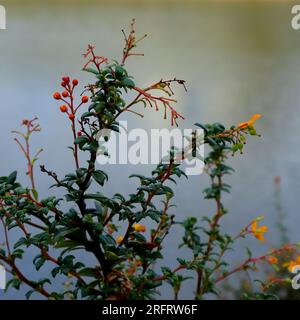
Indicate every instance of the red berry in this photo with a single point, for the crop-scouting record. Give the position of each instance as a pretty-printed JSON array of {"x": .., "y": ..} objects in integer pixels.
[
  {"x": 66, "y": 79},
  {"x": 65, "y": 94},
  {"x": 79, "y": 133},
  {"x": 85, "y": 99},
  {"x": 63, "y": 108},
  {"x": 75, "y": 82},
  {"x": 57, "y": 96},
  {"x": 71, "y": 116},
  {"x": 63, "y": 84}
]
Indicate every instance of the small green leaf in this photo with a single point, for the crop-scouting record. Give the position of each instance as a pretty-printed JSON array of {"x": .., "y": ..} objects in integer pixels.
[
  {"x": 35, "y": 194},
  {"x": 100, "y": 177},
  {"x": 127, "y": 82},
  {"x": 12, "y": 177}
]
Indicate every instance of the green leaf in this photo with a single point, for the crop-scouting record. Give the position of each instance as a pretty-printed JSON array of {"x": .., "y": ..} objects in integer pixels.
[
  {"x": 39, "y": 261},
  {"x": 81, "y": 140},
  {"x": 67, "y": 244},
  {"x": 29, "y": 293},
  {"x": 35, "y": 194},
  {"x": 91, "y": 70},
  {"x": 111, "y": 256},
  {"x": 100, "y": 177},
  {"x": 120, "y": 71},
  {"x": 107, "y": 240},
  {"x": 154, "y": 215},
  {"x": 64, "y": 232},
  {"x": 20, "y": 242},
  {"x": 201, "y": 126},
  {"x": 12, "y": 177},
  {"x": 127, "y": 82},
  {"x": 87, "y": 114},
  {"x": 55, "y": 271},
  {"x": 88, "y": 272}
]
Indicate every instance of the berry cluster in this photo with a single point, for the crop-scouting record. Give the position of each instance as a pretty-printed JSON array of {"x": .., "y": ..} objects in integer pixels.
[
  {"x": 67, "y": 97},
  {"x": 69, "y": 107}
]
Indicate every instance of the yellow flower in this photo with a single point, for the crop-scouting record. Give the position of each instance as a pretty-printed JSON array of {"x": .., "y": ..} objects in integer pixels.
[
  {"x": 290, "y": 265},
  {"x": 258, "y": 232},
  {"x": 139, "y": 227},
  {"x": 272, "y": 260},
  {"x": 250, "y": 123},
  {"x": 119, "y": 239}
]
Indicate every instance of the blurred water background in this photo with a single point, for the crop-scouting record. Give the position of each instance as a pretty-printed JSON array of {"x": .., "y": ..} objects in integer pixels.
[{"x": 238, "y": 58}]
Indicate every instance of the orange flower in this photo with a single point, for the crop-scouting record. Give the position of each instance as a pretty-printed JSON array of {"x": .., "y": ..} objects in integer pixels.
[
  {"x": 258, "y": 232},
  {"x": 250, "y": 123},
  {"x": 254, "y": 118},
  {"x": 272, "y": 260},
  {"x": 139, "y": 227},
  {"x": 119, "y": 239},
  {"x": 290, "y": 265}
]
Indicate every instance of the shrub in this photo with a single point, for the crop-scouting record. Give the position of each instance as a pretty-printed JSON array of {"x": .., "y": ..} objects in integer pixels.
[{"x": 124, "y": 261}]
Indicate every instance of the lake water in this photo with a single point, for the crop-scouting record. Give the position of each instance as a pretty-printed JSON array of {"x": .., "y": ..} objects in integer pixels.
[{"x": 238, "y": 59}]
